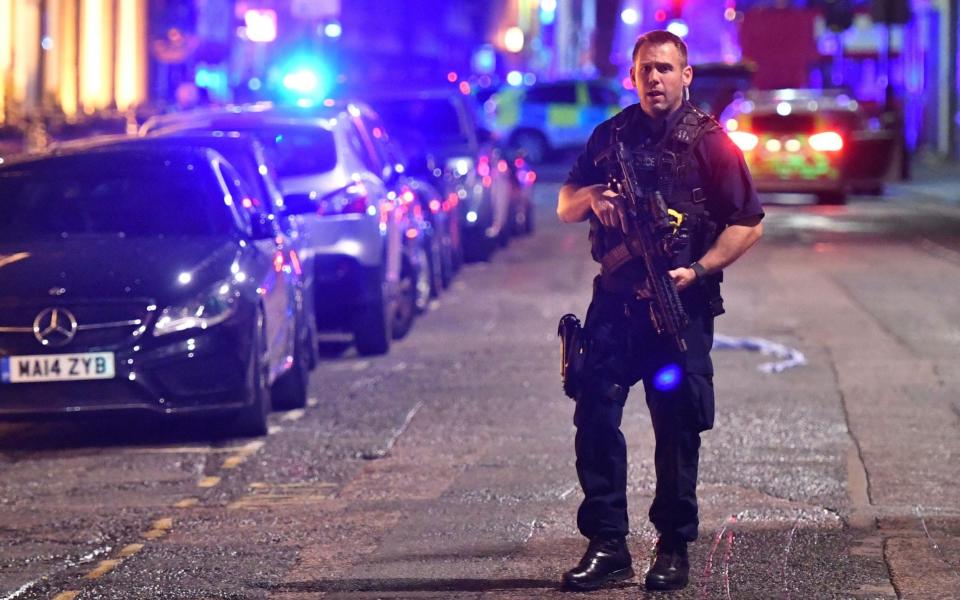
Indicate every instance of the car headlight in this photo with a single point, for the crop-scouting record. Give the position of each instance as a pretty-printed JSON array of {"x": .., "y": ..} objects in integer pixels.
[{"x": 215, "y": 306}]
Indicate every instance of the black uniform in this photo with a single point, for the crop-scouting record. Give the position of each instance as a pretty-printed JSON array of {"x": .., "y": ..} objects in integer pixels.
[{"x": 702, "y": 174}]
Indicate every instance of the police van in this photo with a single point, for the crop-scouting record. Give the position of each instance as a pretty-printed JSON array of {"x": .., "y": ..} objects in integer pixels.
[{"x": 549, "y": 116}]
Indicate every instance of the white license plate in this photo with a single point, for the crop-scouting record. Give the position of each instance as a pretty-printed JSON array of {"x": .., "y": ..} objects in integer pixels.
[{"x": 57, "y": 367}]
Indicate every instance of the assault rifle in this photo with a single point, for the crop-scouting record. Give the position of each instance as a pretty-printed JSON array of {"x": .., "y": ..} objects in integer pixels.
[{"x": 648, "y": 238}]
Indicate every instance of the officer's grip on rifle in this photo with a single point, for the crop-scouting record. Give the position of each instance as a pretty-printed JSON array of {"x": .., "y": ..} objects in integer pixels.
[{"x": 649, "y": 233}]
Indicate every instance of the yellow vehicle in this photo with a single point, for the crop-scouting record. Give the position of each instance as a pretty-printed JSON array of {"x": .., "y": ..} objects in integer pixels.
[
  {"x": 552, "y": 115},
  {"x": 822, "y": 142}
]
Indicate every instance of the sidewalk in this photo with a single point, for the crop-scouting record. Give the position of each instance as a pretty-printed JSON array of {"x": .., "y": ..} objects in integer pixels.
[{"x": 933, "y": 177}]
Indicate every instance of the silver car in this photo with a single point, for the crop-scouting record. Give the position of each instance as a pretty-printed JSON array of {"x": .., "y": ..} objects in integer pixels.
[{"x": 365, "y": 271}]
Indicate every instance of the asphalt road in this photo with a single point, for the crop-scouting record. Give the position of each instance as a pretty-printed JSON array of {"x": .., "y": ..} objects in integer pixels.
[{"x": 445, "y": 470}]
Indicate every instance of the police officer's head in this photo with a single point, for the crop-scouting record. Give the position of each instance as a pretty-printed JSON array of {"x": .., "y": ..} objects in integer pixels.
[{"x": 660, "y": 72}]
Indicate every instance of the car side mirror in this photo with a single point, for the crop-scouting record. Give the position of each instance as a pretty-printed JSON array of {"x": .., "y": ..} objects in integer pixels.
[
  {"x": 300, "y": 204},
  {"x": 263, "y": 226}
]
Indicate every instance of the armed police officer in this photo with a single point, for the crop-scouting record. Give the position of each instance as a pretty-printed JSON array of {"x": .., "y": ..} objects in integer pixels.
[{"x": 682, "y": 156}]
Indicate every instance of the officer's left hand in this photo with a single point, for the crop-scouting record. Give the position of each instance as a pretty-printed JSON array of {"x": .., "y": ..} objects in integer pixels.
[{"x": 683, "y": 277}]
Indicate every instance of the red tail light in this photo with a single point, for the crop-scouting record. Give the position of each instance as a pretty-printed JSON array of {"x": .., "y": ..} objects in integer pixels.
[
  {"x": 744, "y": 139},
  {"x": 352, "y": 199},
  {"x": 827, "y": 141}
]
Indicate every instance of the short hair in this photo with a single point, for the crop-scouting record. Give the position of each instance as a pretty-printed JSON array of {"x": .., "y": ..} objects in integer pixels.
[{"x": 658, "y": 37}]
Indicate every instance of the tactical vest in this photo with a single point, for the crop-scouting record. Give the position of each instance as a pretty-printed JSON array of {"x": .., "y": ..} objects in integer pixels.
[{"x": 670, "y": 167}]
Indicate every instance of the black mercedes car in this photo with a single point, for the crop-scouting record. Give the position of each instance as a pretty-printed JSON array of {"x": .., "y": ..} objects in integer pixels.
[{"x": 143, "y": 280}]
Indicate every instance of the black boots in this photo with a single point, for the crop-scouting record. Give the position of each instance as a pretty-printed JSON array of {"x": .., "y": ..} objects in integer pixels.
[
  {"x": 605, "y": 561},
  {"x": 671, "y": 567}
]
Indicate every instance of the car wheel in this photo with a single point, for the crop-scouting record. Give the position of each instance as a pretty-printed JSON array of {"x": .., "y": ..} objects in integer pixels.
[
  {"x": 437, "y": 266},
  {"x": 405, "y": 307},
  {"x": 371, "y": 330},
  {"x": 532, "y": 143},
  {"x": 448, "y": 263},
  {"x": 423, "y": 279},
  {"x": 251, "y": 420},
  {"x": 528, "y": 219},
  {"x": 290, "y": 389},
  {"x": 831, "y": 198}
]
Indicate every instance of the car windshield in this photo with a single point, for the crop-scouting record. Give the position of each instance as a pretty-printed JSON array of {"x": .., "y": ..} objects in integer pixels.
[
  {"x": 805, "y": 122},
  {"x": 111, "y": 194},
  {"x": 295, "y": 150},
  {"x": 430, "y": 120}
]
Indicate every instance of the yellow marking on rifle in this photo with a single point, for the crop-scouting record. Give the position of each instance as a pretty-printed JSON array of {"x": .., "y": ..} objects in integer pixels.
[{"x": 677, "y": 219}]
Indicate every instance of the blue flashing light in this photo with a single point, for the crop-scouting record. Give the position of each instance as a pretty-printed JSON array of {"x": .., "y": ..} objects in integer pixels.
[
  {"x": 303, "y": 78},
  {"x": 303, "y": 81},
  {"x": 515, "y": 78},
  {"x": 333, "y": 29},
  {"x": 668, "y": 378},
  {"x": 679, "y": 28}
]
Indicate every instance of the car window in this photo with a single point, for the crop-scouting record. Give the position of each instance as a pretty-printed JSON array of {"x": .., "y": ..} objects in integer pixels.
[
  {"x": 422, "y": 119},
  {"x": 379, "y": 138},
  {"x": 248, "y": 169},
  {"x": 602, "y": 96},
  {"x": 792, "y": 123},
  {"x": 365, "y": 148},
  {"x": 557, "y": 93},
  {"x": 149, "y": 196},
  {"x": 245, "y": 204},
  {"x": 296, "y": 151}
]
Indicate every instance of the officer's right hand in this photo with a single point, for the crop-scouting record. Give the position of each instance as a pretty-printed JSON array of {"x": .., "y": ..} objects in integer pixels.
[{"x": 608, "y": 206}]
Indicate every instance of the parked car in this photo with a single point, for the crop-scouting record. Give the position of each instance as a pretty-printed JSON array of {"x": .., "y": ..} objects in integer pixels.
[
  {"x": 247, "y": 155},
  {"x": 817, "y": 141},
  {"x": 141, "y": 280},
  {"x": 440, "y": 134},
  {"x": 550, "y": 116},
  {"x": 366, "y": 269},
  {"x": 440, "y": 215}
]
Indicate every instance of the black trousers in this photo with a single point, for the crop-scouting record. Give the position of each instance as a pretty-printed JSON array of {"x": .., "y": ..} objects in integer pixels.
[{"x": 679, "y": 394}]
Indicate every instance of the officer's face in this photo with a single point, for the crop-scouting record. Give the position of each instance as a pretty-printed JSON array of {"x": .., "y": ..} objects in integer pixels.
[{"x": 660, "y": 76}]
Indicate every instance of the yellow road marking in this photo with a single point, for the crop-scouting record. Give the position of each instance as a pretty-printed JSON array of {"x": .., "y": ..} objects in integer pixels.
[
  {"x": 242, "y": 455},
  {"x": 154, "y": 534},
  {"x": 312, "y": 402},
  {"x": 130, "y": 550},
  {"x": 208, "y": 482},
  {"x": 160, "y": 528},
  {"x": 233, "y": 462},
  {"x": 68, "y": 595},
  {"x": 103, "y": 568},
  {"x": 186, "y": 503},
  {"x": 274, "y": 429}
]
